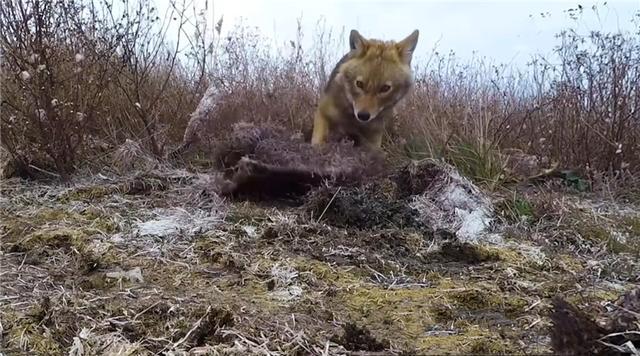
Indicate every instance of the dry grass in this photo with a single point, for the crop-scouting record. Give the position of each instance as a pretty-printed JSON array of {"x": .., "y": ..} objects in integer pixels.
[{"x": 95, "y": 266}]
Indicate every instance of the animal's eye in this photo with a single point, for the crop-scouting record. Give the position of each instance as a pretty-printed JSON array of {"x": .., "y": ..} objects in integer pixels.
[
  {"x": 360, "y": 84},
  {"x": 385, "y": 88}
]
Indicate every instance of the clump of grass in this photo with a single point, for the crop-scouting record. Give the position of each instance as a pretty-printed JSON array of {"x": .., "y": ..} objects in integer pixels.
[{"x": 517, "y": 209}]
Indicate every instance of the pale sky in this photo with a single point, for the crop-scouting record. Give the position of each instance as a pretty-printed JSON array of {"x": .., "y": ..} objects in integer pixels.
[{"x": 505, "y": 31}]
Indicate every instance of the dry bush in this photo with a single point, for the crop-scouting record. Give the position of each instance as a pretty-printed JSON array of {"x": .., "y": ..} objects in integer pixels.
[
  {"x": 258, "y": 85},
  {"x": 583, "y": 112},
  {"x": 158, "y": 84},
  {"x": 56, "y": 64},
  {"x": 592, "y": 118},
  {"x": 79, "y": 76}
]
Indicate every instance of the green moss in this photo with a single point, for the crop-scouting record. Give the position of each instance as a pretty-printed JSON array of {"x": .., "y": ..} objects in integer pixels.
[
  {"x": 474, "y": 299},
  {"x": 593, "y": 233},
  {"x": 24, "y": 333},
  {"x": 97, "y": 222},
  {"x": 50, "y": 223},
  {"x": 247, "y": 213},
  {"x": 442, "y": 313},
  {"x": 34, "y": 340},
  {"x": 94, "y": 281},
  {"x": 41, "y": 234},
  {"x": 565, "y": 262},
  {"x": 86, "y": 193},
  {"x": 631, "y": 226},
  {"x": 466, "y": 303},
  {"x": 474, "y": 340},
  {"x": 400, "y": 315},
  {"x": 602, "y": 234},
  {"x": 609, "y": 295},
  {"x": 404, "y": 315},
  {"x": 471, "y": 298},
  {"x": 433, "y": 277},
  {"x": 52, "y": 238},
  {"x": 491, "y": 345},
  {"x": 614, "y": 245},
  {"x": 338, "y": 275},
  {"x": 469, "y": 253}
]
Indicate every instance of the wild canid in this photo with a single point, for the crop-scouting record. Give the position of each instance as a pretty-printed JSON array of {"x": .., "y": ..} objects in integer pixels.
[{"x": 363, "y": 89}]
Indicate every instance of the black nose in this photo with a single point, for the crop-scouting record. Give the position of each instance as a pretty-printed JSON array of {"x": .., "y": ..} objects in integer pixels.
[{"x": 363, "y": 115}]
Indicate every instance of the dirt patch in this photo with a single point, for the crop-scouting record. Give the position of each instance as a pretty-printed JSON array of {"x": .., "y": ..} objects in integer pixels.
[
  {"x": 371, "y": 206},
  {"x": 356, "y": 338},
  {"x": 454, "y": 250},
  {"x": 415, "y": 179}
]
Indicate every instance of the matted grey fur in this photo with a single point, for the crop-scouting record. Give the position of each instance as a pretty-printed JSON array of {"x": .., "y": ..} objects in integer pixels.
[
  {"x": 198, "y": 120},
  {"x": 266, "y": 161}
]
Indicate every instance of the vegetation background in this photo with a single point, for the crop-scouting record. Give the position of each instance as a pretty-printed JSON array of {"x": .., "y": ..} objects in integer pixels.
[{"x": 80, "y": 77}]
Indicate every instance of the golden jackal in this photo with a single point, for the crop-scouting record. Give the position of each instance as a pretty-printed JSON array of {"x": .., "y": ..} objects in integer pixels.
[{"x": 363, "y": 89}]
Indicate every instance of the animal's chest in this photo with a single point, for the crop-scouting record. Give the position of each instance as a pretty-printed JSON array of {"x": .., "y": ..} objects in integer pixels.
[{"x": 356, "y": 131}]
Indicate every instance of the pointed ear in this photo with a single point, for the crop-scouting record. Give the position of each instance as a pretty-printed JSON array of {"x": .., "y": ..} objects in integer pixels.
[
  {"x": 356, "y": 41},
  {"x": 407, "y": 46}
]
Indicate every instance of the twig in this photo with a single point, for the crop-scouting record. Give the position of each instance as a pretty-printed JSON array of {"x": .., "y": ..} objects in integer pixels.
[
  {"x": 44, "y": 171},
  {"x": 195, "y": 326},
  {"x": 534, "y": 323},
  {"x": 622, "y": 333},
  {"x": 627, "y": 347},
  {"x": 533, "y": 305},
  {"x": 329, "y": 204},
  {"x": 22, "y": 263},
  {"x": 144, "y": 311},
  {"x": 637, "y": 315}
]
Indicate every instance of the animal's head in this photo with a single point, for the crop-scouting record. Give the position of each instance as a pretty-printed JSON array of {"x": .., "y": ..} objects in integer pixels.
[{"x": 378, "y": 74}]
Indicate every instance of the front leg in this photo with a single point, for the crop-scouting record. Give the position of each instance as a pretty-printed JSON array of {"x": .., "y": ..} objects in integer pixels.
[
  {"x": 372, "y": 142},
  {"x": 320, "y": 129}
]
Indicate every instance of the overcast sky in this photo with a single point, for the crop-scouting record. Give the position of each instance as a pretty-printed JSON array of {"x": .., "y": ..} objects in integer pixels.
[{"x": 506, "y": 31}]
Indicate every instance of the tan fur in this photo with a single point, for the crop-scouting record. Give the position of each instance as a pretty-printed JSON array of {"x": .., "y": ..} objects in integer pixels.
[{"x": 371, "y": 79}]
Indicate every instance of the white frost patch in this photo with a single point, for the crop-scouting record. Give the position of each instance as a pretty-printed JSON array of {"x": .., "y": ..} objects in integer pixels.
[
  {"x": 532, "y": 253},
  {"x": 4, "y": 201},
  {"x": 176, "y": 221},
  {"x": 89, "y": 343},
  {"x": 280, "y": 218},
  {"x": 251, "y": 231},
  {"x": 77, "y": 348},
  {"x": 285, "y": 289},
  {"x": 619, "y": 237},
  {"x": 455, "y": 204},
  {"x": 133, "y": 275},
  {"x": 24, "y": 75},
  {"x": 283, "y": 275},
  {"x": 473, "y": 223},
  {"x": 287, "y": 294}
]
